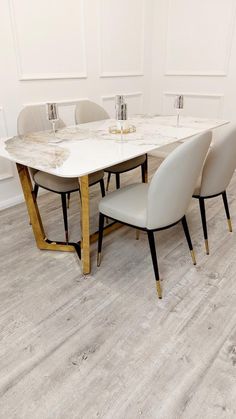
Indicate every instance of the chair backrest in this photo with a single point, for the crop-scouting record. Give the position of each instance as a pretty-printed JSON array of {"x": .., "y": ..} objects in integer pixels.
[
  {"x": 172, "y": 185},
  {"x": 220, "y": 165},
  {"x": 33, "y": 118},
  {"x": 87, "y": 111}
]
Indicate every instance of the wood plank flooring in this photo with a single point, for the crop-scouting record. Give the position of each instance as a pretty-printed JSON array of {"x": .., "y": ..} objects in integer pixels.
[{"x": 104, "y": 346}]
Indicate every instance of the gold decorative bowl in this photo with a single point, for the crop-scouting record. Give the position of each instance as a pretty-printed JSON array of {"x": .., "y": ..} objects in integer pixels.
[{"x": 128, "y": 130}]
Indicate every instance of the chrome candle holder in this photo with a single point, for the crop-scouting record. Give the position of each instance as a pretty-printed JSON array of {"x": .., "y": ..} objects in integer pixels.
[
  {"x": 52, "y": 115},
  {"x": 122, "y": 127},
  {"x": 119, "y": 100},
  {"x": 178, "y": 104},
  {"x": 121, "y": 116}
]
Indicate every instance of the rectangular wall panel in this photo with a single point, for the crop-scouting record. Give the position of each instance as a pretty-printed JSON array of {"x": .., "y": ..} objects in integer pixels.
[
  {"x": 199, "y": 37},
  {"x": 45, "y": 50},
  {"x": 122, "y": 37}
]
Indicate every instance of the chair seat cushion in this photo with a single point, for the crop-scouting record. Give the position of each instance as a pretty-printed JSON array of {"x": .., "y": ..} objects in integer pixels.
[
  {"x": 127, "y": 165},
  {"x": 96, "y": 177},
  {"x": 163, "y": 152},
  {"x": 128, "y": 205},
  {"x": 32, "y": 171},
  {"x": 63, "y": 185}
]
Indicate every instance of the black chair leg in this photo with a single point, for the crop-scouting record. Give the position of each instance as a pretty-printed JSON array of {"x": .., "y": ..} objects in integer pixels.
[
  {"x": 224, "y": 196},
  {"x": 100, "y": 237},
  {"x": 144, "y": 171},
  {"x": 103, "y": 192},
  {"x": 188, "y": 238},
  {"x": 36, "y": 189},
  {"x": 68, "y": 200},
  {"x": 152, "y": 246},
  {"x": 204, "y": 223},
  {"x": 108, "y": 180},
  {"x": 117, "y": 181},
  {"x": 102, "y": 187},
  {"x": 64, "y": 208}
]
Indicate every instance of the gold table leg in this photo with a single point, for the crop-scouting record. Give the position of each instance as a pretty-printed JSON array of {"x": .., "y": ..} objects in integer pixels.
[
  {"x": 85, "y": 234},
  {"x": 36, "y": 222}
]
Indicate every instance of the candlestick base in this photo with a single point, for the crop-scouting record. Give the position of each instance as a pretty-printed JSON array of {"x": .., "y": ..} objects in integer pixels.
[{"x": 128, "y": 130}]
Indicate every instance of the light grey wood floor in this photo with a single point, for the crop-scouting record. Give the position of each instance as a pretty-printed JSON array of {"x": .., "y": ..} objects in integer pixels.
[{"x": 104, "y": 346}]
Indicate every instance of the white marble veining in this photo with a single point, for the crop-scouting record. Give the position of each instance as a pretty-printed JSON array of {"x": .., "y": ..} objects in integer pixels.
[
  {"x": 31, "y": 151},
  {"x": 83, "y": 149}
]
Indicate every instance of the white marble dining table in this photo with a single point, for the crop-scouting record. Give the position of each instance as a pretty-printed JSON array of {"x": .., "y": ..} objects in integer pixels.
[{"x": 80, "y": 150}]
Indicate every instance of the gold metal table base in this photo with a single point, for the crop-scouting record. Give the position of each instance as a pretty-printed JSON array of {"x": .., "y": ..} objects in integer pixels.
[{"x": 41, "y": 239}]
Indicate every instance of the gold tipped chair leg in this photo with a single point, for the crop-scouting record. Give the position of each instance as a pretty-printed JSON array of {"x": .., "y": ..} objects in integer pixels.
[
  {"x": 137, "y": 234},
  {"x": 159, "y": 290},
  {"x": 98, "y": 259},
  {"x": 207, "y": 247},
  {"x": 193, "y": 257},
  {"x": 225, "y": 200},
  {"x": 230, "y": 225}
]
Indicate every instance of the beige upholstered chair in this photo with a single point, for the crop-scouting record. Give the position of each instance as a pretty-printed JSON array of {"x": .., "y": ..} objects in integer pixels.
[
  {"x": 32, "y": 119},
  {"x": 87, "y": 111},
  {"x": 162, "y": 203},
  {"x": 217, "y": 173}
]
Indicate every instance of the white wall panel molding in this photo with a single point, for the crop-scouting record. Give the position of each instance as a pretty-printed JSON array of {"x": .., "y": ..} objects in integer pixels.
[
  {"x": 32, "y": 52},
  {"x": 210, "y": 52},
  {"x": 61, "y": 102},
  {"x": 120, "y": 74},
  {"x": 216, "y": 95},
  {"x": 11, "y": 202},
  {"x": 121, "y": 39},
  {"x": 6, "y": 171},
  {"x": 208, "y": 105},
  {"x": 131, "y": 94}
]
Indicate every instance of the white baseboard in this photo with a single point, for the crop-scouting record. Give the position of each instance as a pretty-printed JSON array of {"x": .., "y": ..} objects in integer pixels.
[{"x": 18, "y": 199}]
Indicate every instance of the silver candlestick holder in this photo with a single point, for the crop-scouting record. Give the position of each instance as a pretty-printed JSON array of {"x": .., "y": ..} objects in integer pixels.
[
  {"x": 119, "y": 100},
  {"x": 178, "y": 104},
  {"x": 122, "y": 126},
  {"x": 52, "y": 115},
  {"x": 121, "y": 116}
]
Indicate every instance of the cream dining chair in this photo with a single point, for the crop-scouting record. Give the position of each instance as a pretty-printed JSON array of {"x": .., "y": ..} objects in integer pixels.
[
  {"x": 217, "y": 173},
  {"x": 32, "y": 119},
  {"x": 87, "y": 111},
  {"x": 162, "y": 203}
]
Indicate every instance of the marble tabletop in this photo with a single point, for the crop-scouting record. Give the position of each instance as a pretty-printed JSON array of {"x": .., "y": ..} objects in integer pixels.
[{"x": 83, "y": 149}]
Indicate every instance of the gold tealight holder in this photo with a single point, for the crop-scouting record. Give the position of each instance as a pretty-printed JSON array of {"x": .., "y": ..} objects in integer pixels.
[{"x": 128, "y": 130}]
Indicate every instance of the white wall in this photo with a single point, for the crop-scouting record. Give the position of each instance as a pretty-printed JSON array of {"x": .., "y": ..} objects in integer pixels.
[
  {"x": 99, "y": 48},
  {"x": 194, "y": 53},
  {"x": 149, "y": 49}
]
